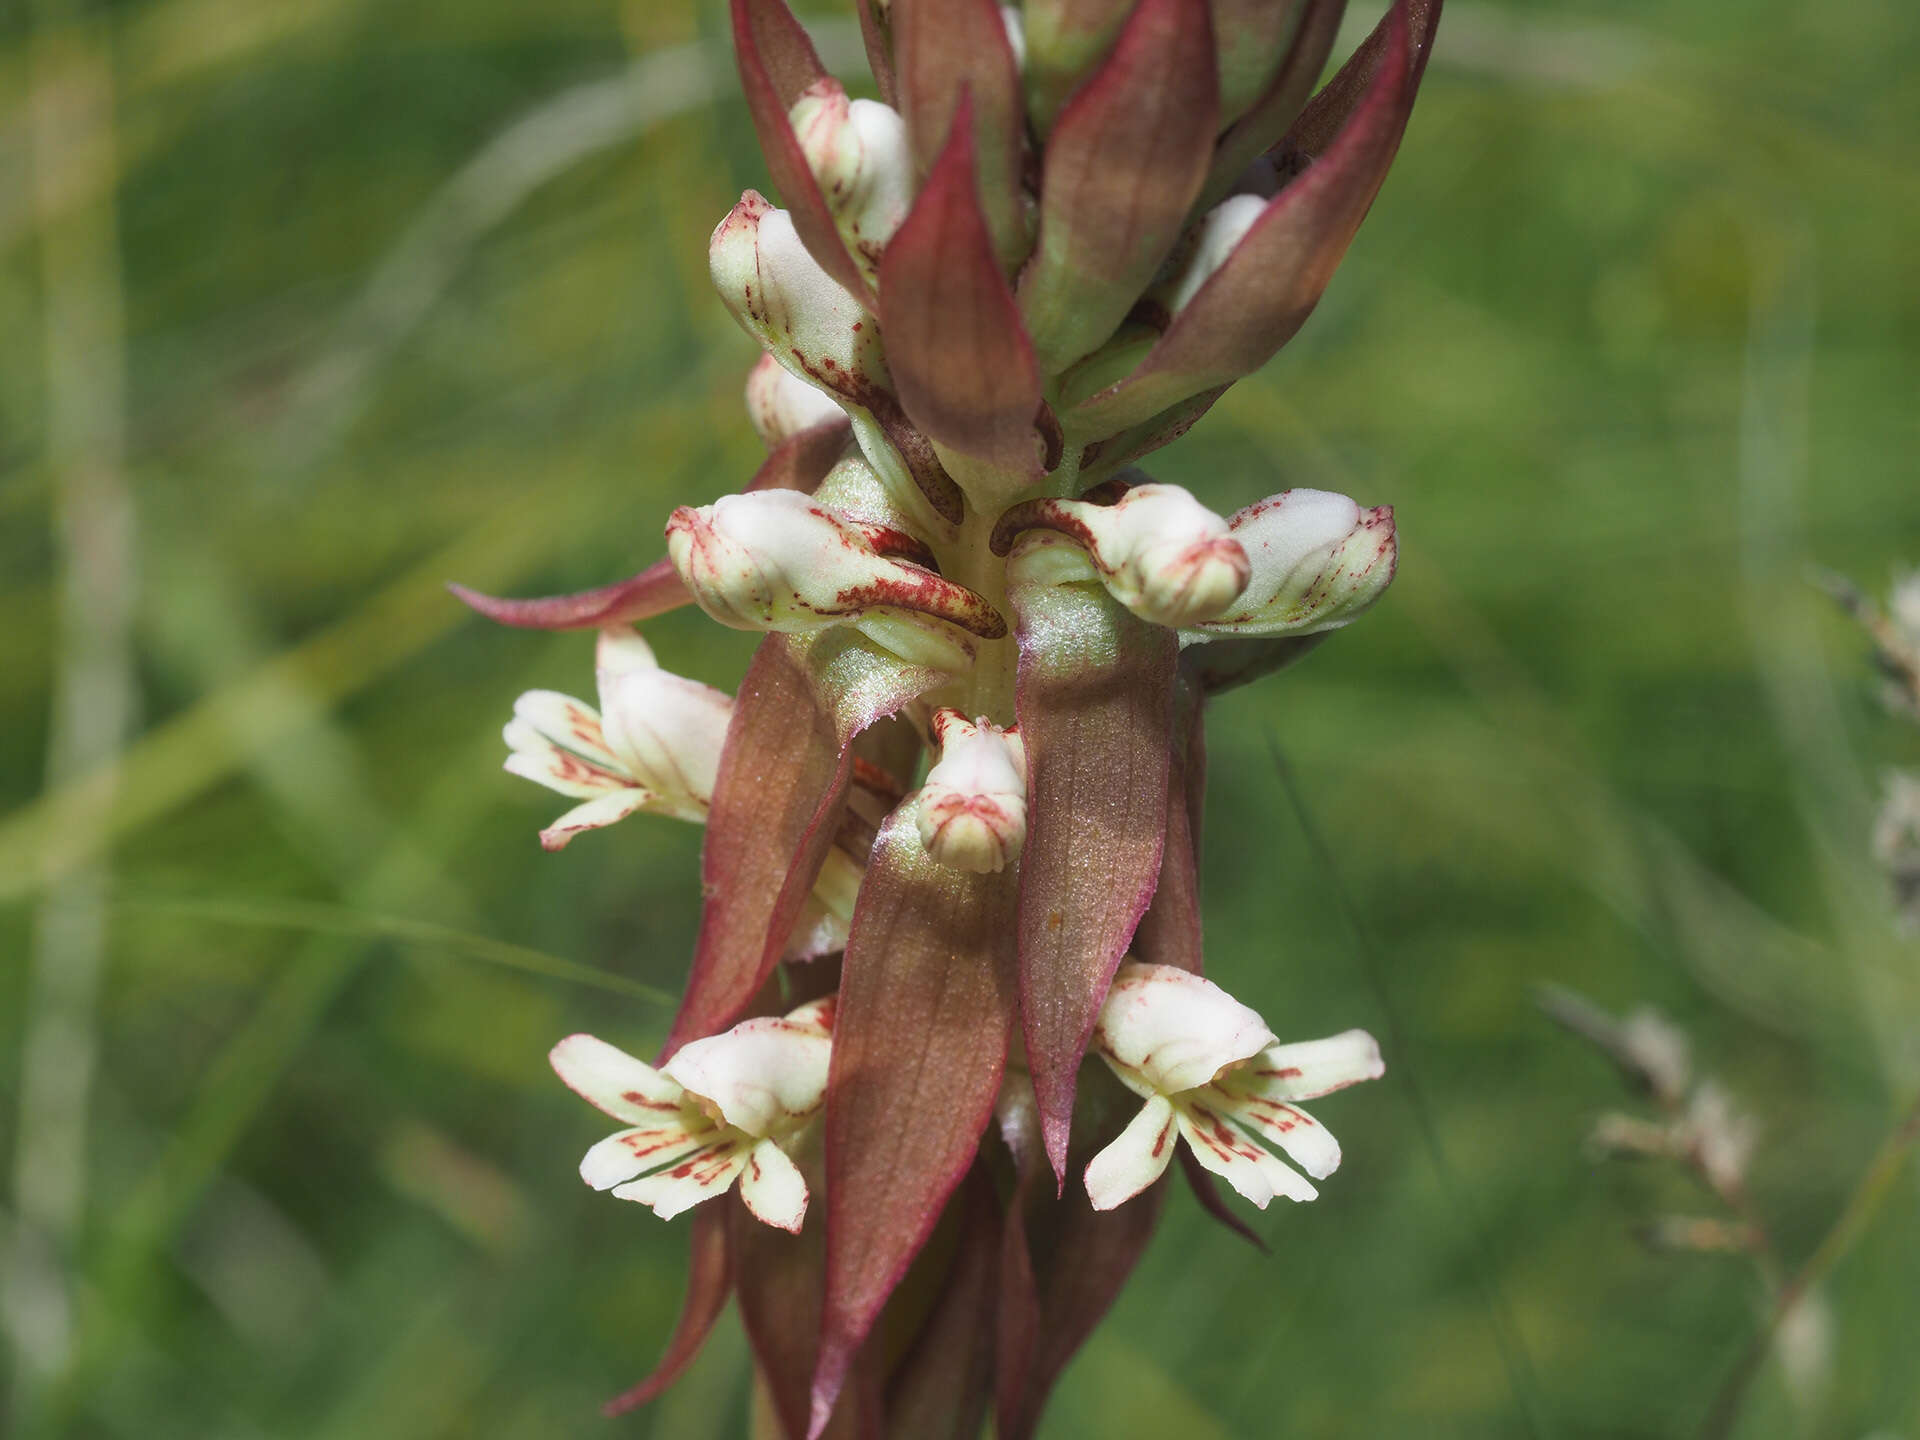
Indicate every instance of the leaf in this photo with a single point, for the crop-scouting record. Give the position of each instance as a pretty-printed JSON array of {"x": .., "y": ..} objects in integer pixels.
[
  {"x": 940, "y": 1388},
  {"x": 778, "y": 1279},
  {"x": 920, "y": 1041},
  {"x": 777, "y": 61},
  {"x": 1278, "y": 105},
  {"x": 1062, "y": 1265},
  {"x": 1124, "y": 165},
  {"x": 709, "y": 1279},
  {"x": 1095, "y": 696},
  {"x": 960, "y": 358},
  {"x": 776, "y": 806},
  {"x": 1227, "y": 664},
  {"x": 1170, "y": 931},
  {"x": 876, "y": 32},
  {"x": 944, "y": 49},
  {"x": 800, "y": 462},
  {"x": 1268, "y": 285}
]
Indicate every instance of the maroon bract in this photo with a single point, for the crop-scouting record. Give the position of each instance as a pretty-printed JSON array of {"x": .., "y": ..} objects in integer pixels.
[{"x": 956, "y": 804}]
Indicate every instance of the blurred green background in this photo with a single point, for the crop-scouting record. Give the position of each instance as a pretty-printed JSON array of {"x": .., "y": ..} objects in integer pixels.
[{"x": 310, "y": 306}]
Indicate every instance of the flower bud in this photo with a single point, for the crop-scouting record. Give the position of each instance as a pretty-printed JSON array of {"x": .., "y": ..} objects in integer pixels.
[
  {"x": 781, "y": 296},
  {"x": 973, "y": 808},
  {"x": 859, "y": 152},
  {"x": 778, "y": 560},
  {"x": 781, "y": 404},
  {"x": 1318, "y": 561},
  {"x": 1204, "y": 249},
  {"x": 1161, "y": 553}
]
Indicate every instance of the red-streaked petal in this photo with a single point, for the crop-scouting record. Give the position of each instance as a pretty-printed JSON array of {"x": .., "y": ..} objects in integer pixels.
[
  {"x": 613, "y": 1081},
  {"x": 1267, "y": 286},
  {"x": 595, "y": 814},
  {"x": 799, "y": 462},
  {"x": 707, "y": 1286},
  {"x": 776, "y": 805},
  {"x": 1124, "y": 165},
  {"x": 1170, "y": 931},
  {"x": 626, "y": 1153},
  {"x": 1308, "y": 1069},
  {"x": 1136, "y": 1158},
  {"x": 1278, "y": 105},
  {"x": 1306, "y": 1142},
  {"x": 692, "y": 1180},
  {"x": 920, "y": 1039},
  {"x": 1242, "y": 1162},
  {"x": 777, "y": 62},
  {"x": 1095, "y": 704},
  {"x": 773, "y": 1189},
  {"x": 943, "y": 48},
  {"x": 940, "y": 1388},
  {"x": 960, "y": 359}
]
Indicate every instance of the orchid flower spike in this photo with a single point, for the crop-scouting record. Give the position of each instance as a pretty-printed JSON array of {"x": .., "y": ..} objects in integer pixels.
[
  {"x": 1208, "y": 1067},
  {"x": 724, "y": 1109},
  {"x": 654, "y": 744},
  {"x": 973, "y": 808}
]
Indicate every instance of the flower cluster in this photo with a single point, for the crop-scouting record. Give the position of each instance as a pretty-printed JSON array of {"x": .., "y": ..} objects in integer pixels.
[{"x": 958, "y": 792}]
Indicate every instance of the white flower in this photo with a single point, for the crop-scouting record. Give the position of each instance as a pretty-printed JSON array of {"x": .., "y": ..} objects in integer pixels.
[
  {"x": 858, "y": 151},
  {"x": 973, "y": 808},
  {"x": 1209, "y": 1068},
  {"x": 723, "y": 1109},
  {"x": 653, "y": 745}
]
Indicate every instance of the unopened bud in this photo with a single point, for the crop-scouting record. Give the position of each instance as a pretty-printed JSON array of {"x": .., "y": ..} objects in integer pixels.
[
  {"x": 1205, "y": 249},
  {"x": 781, "y": 404},
  {"x": 800, "y": 313},
  {"x": 973, "y": 808},
  {"x": 859, "y": 152},
  {"x": 1161, "y": 553},
  {"x": 1318, "y": 561},
  {"x": 778, "y": 560}
]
